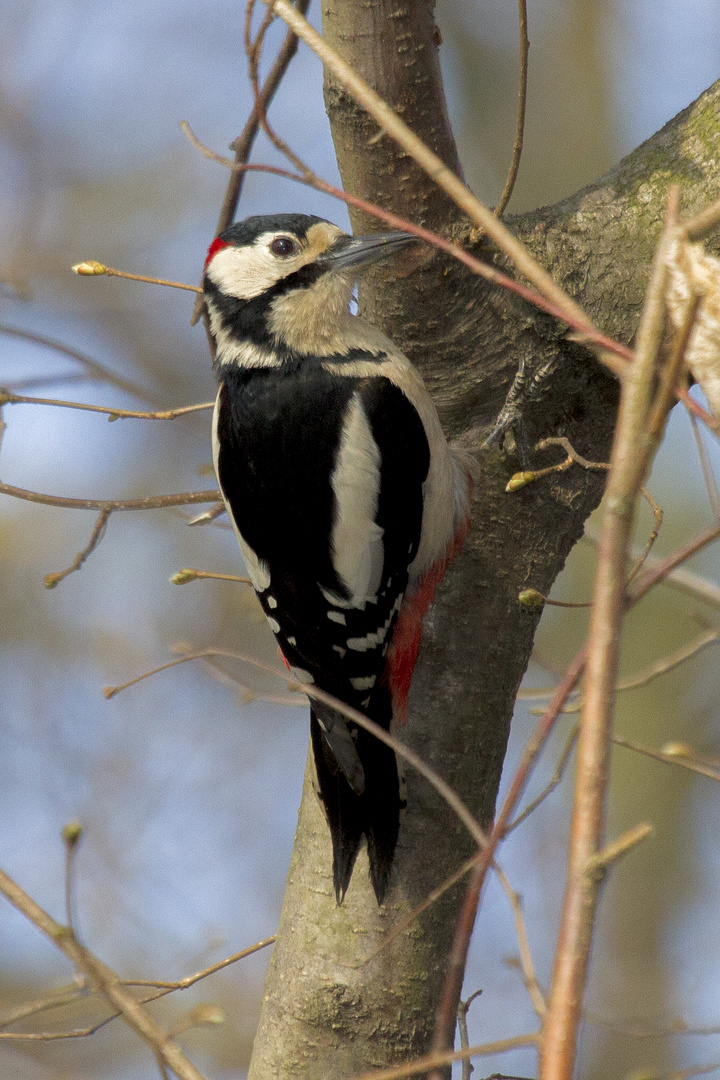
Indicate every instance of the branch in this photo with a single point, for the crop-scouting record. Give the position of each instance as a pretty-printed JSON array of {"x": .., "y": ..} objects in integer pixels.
[
  {"x": 7, "y": 397},
  {"x": 633, "y": 447},
  {"x": 153, "y": 502},
  {"x": 93, "y": 268},
  {"x": 520, "y": 119},
  {"x": 390, "y": 122},
  {"x": 243, "y": 144},
  {"x": 445, "y": 1019},
  {"x": 434, "y": 1061},
  {"x": 103, "y": 979},
  {"x": 404, "y": 751},
  {"x": 94, "y": 368},
  {"x": 67, "y": 995},
  {"x": 608, "y": 348}
]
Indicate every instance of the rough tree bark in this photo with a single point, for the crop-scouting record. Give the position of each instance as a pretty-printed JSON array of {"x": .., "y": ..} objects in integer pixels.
[{"x": 326, "y": 1013}]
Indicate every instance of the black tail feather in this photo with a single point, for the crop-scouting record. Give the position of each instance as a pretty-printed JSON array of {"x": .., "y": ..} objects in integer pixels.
[{"x": 375, "y": 813}]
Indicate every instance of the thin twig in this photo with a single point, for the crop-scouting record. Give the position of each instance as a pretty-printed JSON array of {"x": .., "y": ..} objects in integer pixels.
[
  {"x": 442, "y": 788},
  {"x": 436, "y": 1061},
  {"x": 93, "y": 268},
  {"x": 707, "y": 470},
  {"x": 153, "y": 502},
  {"x": 71, "y": 834},
  {"x": 55, "y": 999},
  {"x": 103, "y": 979},
  {"x": 467, "y": 1067},
  {"x": 685, "y": 759},
  {"x": 587, "y": 335},
  {"x": 184, "y": 577},
  {"x": 51, "y": 580},
  {"x": 597, "y": 866},
  {"x": 521, "y": 479},
  {"x": 94, "y": 368},
  {"x": 520, "y": 119},
  {"x": 190, "y": 980},
  {"x": 7, "y": 397},
  {"x": 697, "y": 228},
  {"x": 430, "y": 899},
  {"x": 243, "y": 144},
  {"x": 633, "y": 448},
  {"x": 527, "y": 966},
  {"x": 444, "y": 177},
  {"x": 446, "y": 1014},
  {"x": 66, "y": 995},
  {"x": 447, "y": 1009},
  {"x": 663, "y": 568},
  {"x": 555, "y": 779},
  {"x": 654, "y": 532},
  {"x": 670, "y": 662},
  {"x": 685, "y": 581},
  {"x": 648, "y": 674}
]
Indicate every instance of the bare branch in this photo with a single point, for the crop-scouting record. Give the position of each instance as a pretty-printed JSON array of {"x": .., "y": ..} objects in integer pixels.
[
  {"x": 103, "y": 979},
  {"x": 633, "y": 447},
  {"x": 598, "y": 865},
  {"x": 442, "y": 788},
  {"x": 391, "y": 123},
  {"x": 436, "y": 1061},
  {"x": 467, "y": 1068},
  {"x": 153, "y": 502},
  {"x": 7, "y": 397},
  {"x": 184, "y": 577},
  {"x": 51, "y": 580},
  {"x": 697, "y": 228},
  {"x": 520, "y": 119},
  {"x": 445, "y": 1019},
  {"x": 589, "y": 336},
  {"x": 93, "y": 268},
  {"x": 663, "y": 568},
  {"x": 673, "y": 754},
  {"x": 552, "y": 783},
  {"x": 526, "y": 961},
  {"x": 67, "y": 995},
  {"x": 94, "y": 369}
]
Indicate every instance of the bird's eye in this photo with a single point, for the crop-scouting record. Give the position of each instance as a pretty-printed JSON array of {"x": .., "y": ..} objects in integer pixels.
[{"x": 283, "y": 246}]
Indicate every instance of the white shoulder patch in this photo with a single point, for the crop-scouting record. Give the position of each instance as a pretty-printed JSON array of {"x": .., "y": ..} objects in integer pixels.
[
  {"x": 258, "y": 570},
  {"x": 358, "y": 552}
]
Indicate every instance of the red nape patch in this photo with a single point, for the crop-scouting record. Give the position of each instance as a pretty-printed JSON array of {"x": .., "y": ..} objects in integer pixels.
[
  {"x": 217, "y": 245},
  {"x": 281, "y": 656}
]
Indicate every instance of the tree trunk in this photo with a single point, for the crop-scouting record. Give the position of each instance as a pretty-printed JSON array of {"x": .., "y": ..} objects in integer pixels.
[{"x": 328, "y": 1010}]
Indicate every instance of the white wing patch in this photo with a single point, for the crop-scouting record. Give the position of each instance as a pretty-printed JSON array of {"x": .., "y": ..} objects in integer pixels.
[{"x": 358, "y": 552}]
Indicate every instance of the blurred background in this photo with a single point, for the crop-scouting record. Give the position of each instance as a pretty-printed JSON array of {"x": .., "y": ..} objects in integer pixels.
[{"x": 187, "y": 787}]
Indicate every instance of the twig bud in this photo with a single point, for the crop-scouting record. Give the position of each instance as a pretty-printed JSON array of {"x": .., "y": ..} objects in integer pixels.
[
  {"x": 519, "y": 480},
  {"x": 531, "y": 598},
  {"x": 89, "y": 268},
  {"x": 72, "y": 833},
  {"x": 183, "y": 577}
]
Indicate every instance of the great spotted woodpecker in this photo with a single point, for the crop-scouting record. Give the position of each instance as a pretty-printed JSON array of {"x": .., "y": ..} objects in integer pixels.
[{"x": 345, "y": 498}]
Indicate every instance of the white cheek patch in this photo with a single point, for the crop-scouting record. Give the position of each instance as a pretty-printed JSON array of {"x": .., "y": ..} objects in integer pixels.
[{"x": 247, "y": 272}]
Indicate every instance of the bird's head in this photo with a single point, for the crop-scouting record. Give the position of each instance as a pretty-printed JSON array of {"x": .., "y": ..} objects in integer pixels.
[{"x": 288, "y": 278}]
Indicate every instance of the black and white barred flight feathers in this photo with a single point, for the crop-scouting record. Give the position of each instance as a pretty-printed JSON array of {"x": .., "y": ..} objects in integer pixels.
[{"x": 346, "y": 501}]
